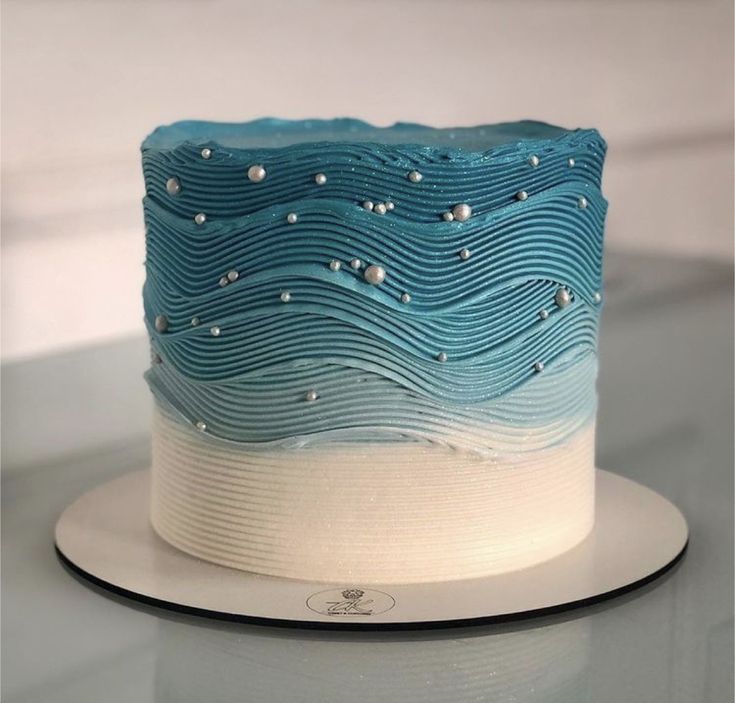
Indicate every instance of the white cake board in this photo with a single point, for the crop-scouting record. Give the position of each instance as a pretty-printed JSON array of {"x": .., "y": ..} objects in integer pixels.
[{"x": 106, "y": 538}]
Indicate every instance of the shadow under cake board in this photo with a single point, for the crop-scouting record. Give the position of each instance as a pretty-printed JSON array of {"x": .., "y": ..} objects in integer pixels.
[{"x": 106, "y": 539}]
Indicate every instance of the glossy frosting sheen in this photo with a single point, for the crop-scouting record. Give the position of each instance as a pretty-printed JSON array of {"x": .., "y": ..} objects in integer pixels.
[{"x": 373, "y": 360}]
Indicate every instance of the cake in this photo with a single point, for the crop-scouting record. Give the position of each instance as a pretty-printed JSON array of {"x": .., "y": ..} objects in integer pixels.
[{"x": 374, "y": 350}]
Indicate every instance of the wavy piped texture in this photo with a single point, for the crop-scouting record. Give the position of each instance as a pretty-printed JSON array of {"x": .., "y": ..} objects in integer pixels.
[{"x": 320, "y": 284}]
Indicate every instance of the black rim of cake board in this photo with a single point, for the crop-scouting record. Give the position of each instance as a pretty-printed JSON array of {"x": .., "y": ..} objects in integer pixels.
[{"x": 111, "y": 588}]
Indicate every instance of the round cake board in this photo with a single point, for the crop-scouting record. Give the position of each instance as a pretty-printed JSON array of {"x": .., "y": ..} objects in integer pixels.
[{"x": 106, "y": 538}]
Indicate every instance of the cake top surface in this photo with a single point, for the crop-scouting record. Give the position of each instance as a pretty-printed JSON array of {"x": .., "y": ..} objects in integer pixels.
[{"x": 274, "y": 133}]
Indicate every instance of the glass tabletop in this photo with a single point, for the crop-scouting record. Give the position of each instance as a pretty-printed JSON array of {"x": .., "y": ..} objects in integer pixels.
[{"x": 665, "y": 419}]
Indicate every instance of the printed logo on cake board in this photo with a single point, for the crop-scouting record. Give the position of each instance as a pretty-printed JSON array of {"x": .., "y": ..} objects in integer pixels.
[{"x": 350, "y": 602}]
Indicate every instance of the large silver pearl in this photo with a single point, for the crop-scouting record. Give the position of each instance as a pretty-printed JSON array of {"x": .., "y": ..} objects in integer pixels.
[
  {"x": 538, "y": 366},
  {"x": 562, "y": 297},
  {"x": 257, "y": 173},
  {"x": 202, "y": 426},
  {"x": 442, "y": 357},
  {"x": 195, "y": 322},
  {"x": 465, "y": 254},
  {"x": 206, "y": 153},
  {"x": 368, "y": 204},
  {"x": 447, "y": 217},
  {"x": 521, "y": 195},
  {"x": 320, "y": 179},
  {"x": 356, "y": 264},
  {"x": 161, "y": 323},
  {"x": 597, "y": 297},
  {"x": 335, "y": 265},
  {"x": 173, "y": 186},
  {"x": 286, "y": 296},
  {"x": 215, "y": 331},
  {"x": 571, "y": 163},
  {"x": 415, "y": 176},
  {"x": 232, "y": 276},
  {"x": 292, "y": 218},
  {"x": 374, "y": 274},
  {"x": 223, "y": 281},
  {"x": 533, "y": 160},
  {"x": 462, "y": 212},
  {"x": 311, "y": 396},
  {"x": 406, "y": 298},
  {"x": 200, "y": 218},
  {"x": 380, "y": 209},
  {"x": 543, "y": 314},
  {"x": 582, "y": 203}
]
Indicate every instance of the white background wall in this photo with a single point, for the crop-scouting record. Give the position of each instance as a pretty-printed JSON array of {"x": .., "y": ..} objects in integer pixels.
[{"x": 83, "y": 82}]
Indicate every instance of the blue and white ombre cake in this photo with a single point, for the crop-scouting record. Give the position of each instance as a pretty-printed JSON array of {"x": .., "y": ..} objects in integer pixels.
[{"x": 374, "y": 350}]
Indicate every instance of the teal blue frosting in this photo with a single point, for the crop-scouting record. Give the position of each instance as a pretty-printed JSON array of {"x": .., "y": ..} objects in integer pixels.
[{"x": 373, "y": 359}]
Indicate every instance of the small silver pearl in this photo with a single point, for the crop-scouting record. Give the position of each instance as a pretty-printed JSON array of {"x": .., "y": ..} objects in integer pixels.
[
  {"x": 223, "y": 281},
  {"x": 173, "y": 186},
  {"x": 462, "y": 212},
  {"x": 195, "y": 322},
  {"x": 200, "y": 218},
  {"x": 442, "y": 357},
  {"x": 202, "y": 426},
  {"x": 582, "y": 203},
  {"x": 286, "y": 297},
  {"x": 571, "y": 163},
  {"x": 206, "y": 153},
  {"x": 374, "y": 274},
  {"x": 368, "y": 204},
  {"x": 356, "y": 263},
  {"x": 415, "y": 176},
  {"x": 257, "y": 173},
  {"x": 335, "y": 265},
  {"x": 465, "y": 254},
  {"x": 390, "y": 205},
  {"x": 320, "y": 179},
  {"x": 311, "y": 396},
  {"x": 533, "y": 160},
  {"x": 232, "y": 276},
  {"x": 538, "y": 366},
  {"x": 597, "y": 297},
  {"x": 562, "y": 297},
  {"x": 521, "y": 195},
  {"x": 161, "y": 323},
  {"x": 380, "y": 209},
  {"x": 215, "y": 331},
  {"x": 406, "y": 298},
  {"x": 447, "y": 217},
  {"x": 543, "y": 314},
  {"x": 292, "y": 218}
]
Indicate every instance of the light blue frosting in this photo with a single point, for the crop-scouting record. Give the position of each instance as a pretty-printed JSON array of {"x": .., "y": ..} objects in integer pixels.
[{"x": 371, "y": 357}]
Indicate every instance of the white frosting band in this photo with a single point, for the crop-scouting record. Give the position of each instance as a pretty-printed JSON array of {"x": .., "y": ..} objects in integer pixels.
[{"x": 370, "y": 513}]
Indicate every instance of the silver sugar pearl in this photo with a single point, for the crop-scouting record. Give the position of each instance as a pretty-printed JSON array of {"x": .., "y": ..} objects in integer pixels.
[
  {"x": 543, "y": 314},
  {"x": 335, "y": 265},
  {"x": 195, "y": 322},
  {"x": 206, "y": 153},
  {"x": 538, "y": 366},
  {"x": 215, "y": 331},
  {"x": 415, "y": 176},
  {"x": 200, "y": 218},
  {"x": 161, "y": 323},
  {"x": 464, "y": 254},
  {"x": 292, "y": 218},
  {"x": 356, "y": 264},
  {"x": 257, "y": 173},
  {"x": 597, "y": 297},
  {"x": 173, "y": 186},
  {"x": 320, "y": 179},
  {"x": 462, "y": 212},
  {"x": 533, "y": 160},
  {"x": 202, "y": 426},
  {"x": 286, "y": 296},
  {"x": 232, "y": 276},
  {"x": 390, "y": 205},
  {"x": 582, "y": 203},
  {"x": 406, "y": 298},
  {"x": 311, "y": 396},
  {"x": 571, "y": 163},
  {"x": 562, "y": 297},
  {"x": 521, "y": 195},
  {"x": 368, "y": 204},
  {"x": 447, "y": 217},
  {"x": 374, "y": 274},
  {"x": 442, "y": 357},
  {"x": 380, "y": 208},
  {"x": 223, "y": 281}
]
